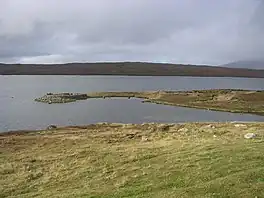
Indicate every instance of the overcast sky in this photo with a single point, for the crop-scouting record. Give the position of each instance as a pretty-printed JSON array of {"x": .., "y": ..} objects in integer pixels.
[{"x": 176, "y": 31}]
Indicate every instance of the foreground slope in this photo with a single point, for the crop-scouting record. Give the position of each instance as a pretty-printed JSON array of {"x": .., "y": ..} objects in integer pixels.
[{"x": 126, "y": 160}]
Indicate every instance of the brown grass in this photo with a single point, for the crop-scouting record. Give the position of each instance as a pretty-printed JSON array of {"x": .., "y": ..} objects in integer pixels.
[
  {"x": 237, "y": 101},
  {"x": 128, "y": 160}
]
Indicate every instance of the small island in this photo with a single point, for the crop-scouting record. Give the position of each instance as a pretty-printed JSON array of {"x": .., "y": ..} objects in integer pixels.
[{"x": 229, "y": 100}]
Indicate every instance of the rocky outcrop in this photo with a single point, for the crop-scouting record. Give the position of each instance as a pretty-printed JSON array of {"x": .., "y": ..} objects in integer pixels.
[
  {"x": 50, "y": 127},
  {"x": 51, "y": 98}
]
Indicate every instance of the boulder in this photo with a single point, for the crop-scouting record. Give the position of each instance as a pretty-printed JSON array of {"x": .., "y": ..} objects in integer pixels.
[
  {"x": 183, "y": 130},
  {"x": 240, "y": 125},
  {"x": 210, "y": 126},
  {"x": 144, "y": 139},
  {"x": 250, "y": 136},
  {"x": 164, "y": 127},
  {"x": 50, "y": 127}
]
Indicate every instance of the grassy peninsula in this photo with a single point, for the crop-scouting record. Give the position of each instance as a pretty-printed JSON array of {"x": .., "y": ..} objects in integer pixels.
[
  {"x": 126, "y": 160},
  {"x": 229, "y": 100}
]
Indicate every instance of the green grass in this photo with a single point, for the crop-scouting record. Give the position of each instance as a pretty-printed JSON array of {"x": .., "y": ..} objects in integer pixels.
[{"x": 111, "y": 160}]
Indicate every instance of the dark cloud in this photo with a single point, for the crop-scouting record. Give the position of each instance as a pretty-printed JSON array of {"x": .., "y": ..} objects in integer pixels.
[{"x": 189, "y": 31}]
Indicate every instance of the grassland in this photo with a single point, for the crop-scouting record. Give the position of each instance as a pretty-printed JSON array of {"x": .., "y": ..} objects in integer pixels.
[
  {"x": 229, "y": 100},
  {"x": 127, "y": 160}
]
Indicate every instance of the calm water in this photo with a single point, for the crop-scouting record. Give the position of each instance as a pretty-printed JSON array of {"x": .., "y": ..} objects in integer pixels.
[{"x": 19, "y": 111}]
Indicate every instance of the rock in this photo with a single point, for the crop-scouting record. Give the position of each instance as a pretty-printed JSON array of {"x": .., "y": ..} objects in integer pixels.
[
  {"x": 102, "y": 123},
  {"x": 209, "y": 126},
  {"x": 130, "y": 135},
  {"x": 115, "y": 124},
  {"x": 183, "y": 130},
  {"x": 128, "y": 125},
  {"x": 214, "y": 136},
  {"x": 50, "y": 127},
  {"x": 250, "y": 135},
  {"x": 164, "y": 127},
  {"x": 144, "y": 139},
  {"x": 51, "y": 98},
  {"x": 240, "y": 125},
  {"x": 33, "y": 160}
]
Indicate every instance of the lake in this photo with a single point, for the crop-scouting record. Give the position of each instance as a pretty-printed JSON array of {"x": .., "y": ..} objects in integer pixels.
[{"x": 19, "y": 111}]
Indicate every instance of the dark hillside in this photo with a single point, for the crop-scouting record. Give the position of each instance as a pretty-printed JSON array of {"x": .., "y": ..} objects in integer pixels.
[{"x": 127, "y": 68}]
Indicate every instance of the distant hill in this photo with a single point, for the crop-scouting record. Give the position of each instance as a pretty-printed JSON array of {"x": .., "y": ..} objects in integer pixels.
[
  {"x": 128, "y": 69},
  {"x": 251, "y": 64}
]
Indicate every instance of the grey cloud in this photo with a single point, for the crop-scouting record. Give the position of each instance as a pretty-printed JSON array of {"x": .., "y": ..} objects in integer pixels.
[
  {"x": 141, "y": 24},
  {"x": 189, "y": 31},
  {"x": 37, "y": 42}
]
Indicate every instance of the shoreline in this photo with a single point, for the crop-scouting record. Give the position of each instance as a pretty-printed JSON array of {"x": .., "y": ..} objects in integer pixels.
[
  {"x": 109, "y": 124},
  {"x": 225, "y": 100},
  {"x": 138, "y": 75}
]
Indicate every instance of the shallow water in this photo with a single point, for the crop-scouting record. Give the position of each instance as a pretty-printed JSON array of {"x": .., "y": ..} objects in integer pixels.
[{"x": 18, "y": 110}]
